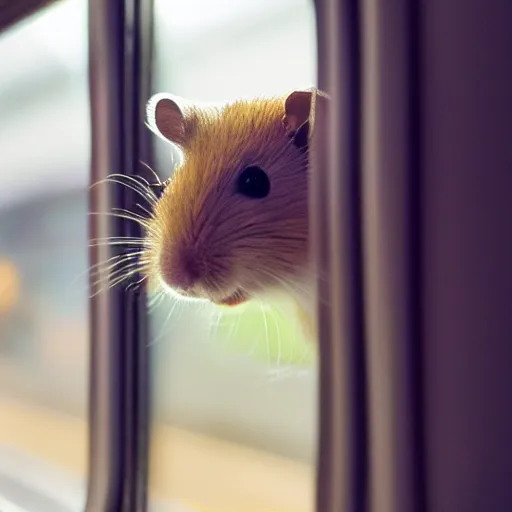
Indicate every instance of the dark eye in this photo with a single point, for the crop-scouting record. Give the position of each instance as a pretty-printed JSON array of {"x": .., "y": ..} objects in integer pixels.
[{"x": 253, "y": 182}]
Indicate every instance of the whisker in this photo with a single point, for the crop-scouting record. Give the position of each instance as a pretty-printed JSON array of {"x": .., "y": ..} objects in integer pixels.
[
  {"x": 103, "y": 243},
  {"x": 234, "y": 328},
  {"x": 145, "y": 210},
  {"x": 279, "y": 341},
  {"x": 136, "y": 181},
  {"x": 114, "y": 261},
  {"x": 289, "y": 285},
  {"x": 213, "y": 327},
  {"x": 124, "y": 276},
  {"x": 136, "y": 284},
  {"x": 113, "y": 270},
  {"x": 144, "y": 223},
  {"x": 155, "y": 302},
  {"x": 149, "y": 195},
  {"x": 120, "y": 264},
  {"x": 162, "y": 331},
  {"x": 93, "y": 268},
  {"x": 137, "y": 238},
  {"x": 148, "y": 167},
  {"x": 128, "y": 212},
  {"x": 265, "y": 323}
]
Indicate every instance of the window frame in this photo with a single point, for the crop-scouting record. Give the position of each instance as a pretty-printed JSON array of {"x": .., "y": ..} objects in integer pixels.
[
  {"x": 370, "y": 436},
  {"x": 120, "y": 48},
  {"x": 12, "y": 13}
]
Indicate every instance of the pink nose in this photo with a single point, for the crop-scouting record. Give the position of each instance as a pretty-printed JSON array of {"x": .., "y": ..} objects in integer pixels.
[{"x": 180, "y": 269}]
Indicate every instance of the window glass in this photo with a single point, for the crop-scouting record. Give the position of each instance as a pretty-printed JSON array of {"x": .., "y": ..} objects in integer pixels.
[
  {"x": 44, "y": 143},
  {"x": 234, "y": 396}
]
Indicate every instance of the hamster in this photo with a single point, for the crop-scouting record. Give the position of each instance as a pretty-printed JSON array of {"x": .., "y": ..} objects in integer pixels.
[{"x": 232, "y": 223}]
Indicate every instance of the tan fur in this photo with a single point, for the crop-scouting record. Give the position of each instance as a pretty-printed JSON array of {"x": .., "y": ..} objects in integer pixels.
[
  {"x": 198, "y": 204},
  {"x": 218, "y": 140},
  {"x": 307, "y": 322}
]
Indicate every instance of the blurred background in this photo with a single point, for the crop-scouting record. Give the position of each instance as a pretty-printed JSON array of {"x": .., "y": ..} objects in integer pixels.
[{"x": 234, "y": 397}]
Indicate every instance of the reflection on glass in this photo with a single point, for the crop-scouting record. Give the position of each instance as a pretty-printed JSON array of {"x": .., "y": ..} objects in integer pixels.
[
  {"x": 44, "y": 143},
  {"x": 234, "y": 401}
]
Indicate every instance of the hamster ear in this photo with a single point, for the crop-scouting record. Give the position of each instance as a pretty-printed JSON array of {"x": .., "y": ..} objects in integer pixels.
[
  {"x": 167, "y": 118},
  {"x": 297, "y": 116}
]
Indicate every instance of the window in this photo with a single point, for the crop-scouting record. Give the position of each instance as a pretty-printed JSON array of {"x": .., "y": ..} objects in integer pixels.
[
  {"x": 234, "y": 396},
  {"x": 236, "y": 391},
  {"x": 411, "y": 223},
  {"x": 44, "y": 142}
]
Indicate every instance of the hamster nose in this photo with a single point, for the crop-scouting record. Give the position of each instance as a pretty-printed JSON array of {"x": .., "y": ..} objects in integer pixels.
[{"x": 180, "y": 269}]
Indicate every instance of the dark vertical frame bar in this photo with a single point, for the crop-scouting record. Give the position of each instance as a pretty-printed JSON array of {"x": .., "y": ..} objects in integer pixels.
[
  {"x": 120, "y": 40},
  {"x": 467, "y": 253},
  {"x": 342, "y": 461},
  {"x": 436, "y": 210},
  {"x": 137, "y": 89},
  {"x": 391, "y": 233}
]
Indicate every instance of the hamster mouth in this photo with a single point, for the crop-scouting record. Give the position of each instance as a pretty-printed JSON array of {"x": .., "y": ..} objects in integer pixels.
[{"x": 235, "y": 299}]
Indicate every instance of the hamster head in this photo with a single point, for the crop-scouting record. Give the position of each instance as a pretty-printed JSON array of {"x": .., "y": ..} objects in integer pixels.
[{"x": 232, "y": 221}]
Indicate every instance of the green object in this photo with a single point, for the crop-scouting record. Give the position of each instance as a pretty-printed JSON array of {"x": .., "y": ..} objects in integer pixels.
[{"x": 269, "y": 333}]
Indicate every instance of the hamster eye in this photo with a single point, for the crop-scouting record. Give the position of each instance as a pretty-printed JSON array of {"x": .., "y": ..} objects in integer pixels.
[{"x": 253, "y": 182}]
